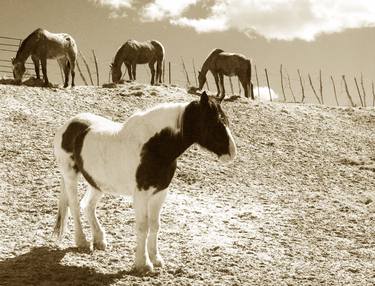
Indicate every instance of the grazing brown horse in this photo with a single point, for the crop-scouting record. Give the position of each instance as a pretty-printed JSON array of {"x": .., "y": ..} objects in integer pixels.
[
  {"x": 42, "y": 45},
  {"x": 221, "y": 63},
  {"x": 132, "y": 53}
]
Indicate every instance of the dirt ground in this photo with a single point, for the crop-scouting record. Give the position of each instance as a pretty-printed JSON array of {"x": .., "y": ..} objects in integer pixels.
[{"x": 296, "y": 207}]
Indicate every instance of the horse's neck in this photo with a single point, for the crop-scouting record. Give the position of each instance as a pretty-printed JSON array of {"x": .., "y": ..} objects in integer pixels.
[
  {"x": 119, "y": 58},
  {"x": 25, "y": 50},
  {"x": 206, "y": 66}
]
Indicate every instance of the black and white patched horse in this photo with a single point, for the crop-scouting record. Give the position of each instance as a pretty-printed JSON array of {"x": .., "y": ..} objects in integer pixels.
[{"x": 135, "y": 158}]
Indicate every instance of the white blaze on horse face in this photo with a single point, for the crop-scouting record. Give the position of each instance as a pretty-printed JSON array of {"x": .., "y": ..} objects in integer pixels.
[{"x": 232, "y": 149}]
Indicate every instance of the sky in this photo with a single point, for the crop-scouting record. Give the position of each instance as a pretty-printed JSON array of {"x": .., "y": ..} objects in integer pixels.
[{"x": 334, "y": 36}]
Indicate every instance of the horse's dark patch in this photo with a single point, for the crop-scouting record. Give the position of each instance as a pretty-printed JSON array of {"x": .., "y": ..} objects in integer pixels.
[
  {"x": 158, "y": 160},
  {"x": 72, "y": 131},
  {"x": 72, "y": 142}
]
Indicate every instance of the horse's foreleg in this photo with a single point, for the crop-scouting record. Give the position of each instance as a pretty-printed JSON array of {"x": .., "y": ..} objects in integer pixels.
[
  {"x": 216, "y": 77},
  {"x": 245, "y": 87},
  {"x": 88, "y": 203},
  {"x": 44, "y": 70},
  {"x": 129, "y": 68},
  {"x": 64, "y": 64},
  {"x": 134, "y": 71},
  {"x": 152, "y": 69},
  {"x": 154, "y": 207},
  {"x": 221, "y": 77},
  {"x": 142, "y": 260},
  {"x": 36, "y": 66},
  {"x": 159, "y": 71},
  {"x": 72, "y": 64}
]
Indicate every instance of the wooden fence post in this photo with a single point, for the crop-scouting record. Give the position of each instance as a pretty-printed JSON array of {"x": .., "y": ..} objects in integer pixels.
[
  {"x": 195, "y": 74},
  {"x": 256, "y": 76},
  {"x": 312, "y": 87},
  {"x": 321, "y": 86},
  {"x": 290, "y": 87},
  {"x": 186, "y": 73},
  {"x": 268, "y": 84},
  {"x": 282, "y": 82},
  {"x": 87, "y": 67},
  {"x": 334, "y": 90},
  {"x": 347, "y": 91},
  {"x": 169, "y": 72},
  {"x": 363, "y": 91},
  {"x": 81, "y": 74},
  {"x": 373, "y": 93},
  {"x": 302, "y": 87},
  {"x": 96, "y": 68},
  {"x": 359, "y": 93}
]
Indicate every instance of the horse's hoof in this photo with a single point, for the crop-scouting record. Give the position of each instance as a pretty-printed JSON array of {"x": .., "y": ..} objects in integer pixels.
[
  {"x": 83, "y": 243},
  {"x": 142, "y": 269},
  {"x": 158, "y": 261},
  {"x": 100, "y": 245},
  {"x": 65, "y": 85}
]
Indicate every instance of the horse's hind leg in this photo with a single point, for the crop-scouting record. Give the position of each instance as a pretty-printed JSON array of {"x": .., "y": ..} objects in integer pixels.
[
  {"x": 64, "y": 64},
  {"x": 216, "y": 77},
  {"x": 159, "y": 71},
  {"x": 129, "y": 68},
  {"x": 134, "y": 70},
  {"x": 71, "y": 180},
  {"x": 36, "y": 66},
  {"x": 154, "y": 207},
  {"x": 88, "y": 203},
  {"x": 72, "y": 64},
  {"x": 221, "y": 77},
  {"x": 44, "y": 70},
  {"x": 152, "y": 69}
]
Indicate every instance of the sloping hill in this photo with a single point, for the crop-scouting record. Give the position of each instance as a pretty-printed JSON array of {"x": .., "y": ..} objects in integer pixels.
[{"x": 295, "y": 208}]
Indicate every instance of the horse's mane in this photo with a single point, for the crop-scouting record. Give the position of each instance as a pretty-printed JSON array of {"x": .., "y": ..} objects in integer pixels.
[
  {"x": 214, "y": 53},
  {"x": 25, "y": 41}
]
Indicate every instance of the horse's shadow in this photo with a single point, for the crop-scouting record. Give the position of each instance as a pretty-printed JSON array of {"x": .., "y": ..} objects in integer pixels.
[{"x": 41, "y": 266}]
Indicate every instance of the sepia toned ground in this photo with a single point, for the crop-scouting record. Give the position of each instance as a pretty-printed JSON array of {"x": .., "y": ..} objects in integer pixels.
[{"x": 296, "y": 207}]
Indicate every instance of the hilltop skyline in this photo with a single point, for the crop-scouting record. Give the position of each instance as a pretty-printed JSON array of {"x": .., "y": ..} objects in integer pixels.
[{"x": 334, "y": 36}]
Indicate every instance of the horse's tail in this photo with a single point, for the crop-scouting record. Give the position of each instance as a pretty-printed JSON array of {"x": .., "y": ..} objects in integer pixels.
[
  {"x": 160, "y": 52},
  {"x": 248, "y": 75},
  {"x": 62, "y": 213}
]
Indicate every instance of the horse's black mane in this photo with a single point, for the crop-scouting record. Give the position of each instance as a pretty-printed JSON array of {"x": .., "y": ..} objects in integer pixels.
[{"x": 23, "y": 43}]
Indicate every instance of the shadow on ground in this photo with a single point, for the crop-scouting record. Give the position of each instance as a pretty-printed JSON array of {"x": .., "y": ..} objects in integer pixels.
[{"x": 41, "y": 266}]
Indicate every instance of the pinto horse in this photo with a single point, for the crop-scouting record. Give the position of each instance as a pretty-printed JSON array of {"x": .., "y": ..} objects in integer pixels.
[
  {"x": 221, "y": 63},
  {"x": 43, "y": 45},
  {"x": 132, "y": 53},
  {"x": 138, "y": 158}
]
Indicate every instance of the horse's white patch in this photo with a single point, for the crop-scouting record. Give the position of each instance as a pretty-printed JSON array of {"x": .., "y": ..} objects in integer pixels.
[{"x": 232, "y": 149}]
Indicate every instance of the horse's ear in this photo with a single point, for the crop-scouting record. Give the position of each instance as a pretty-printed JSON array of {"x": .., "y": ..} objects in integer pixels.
[
  {"x": 204, "y": 98},
  {"x": 111, "y": 65},
  {"x": 12, "y": 60}
]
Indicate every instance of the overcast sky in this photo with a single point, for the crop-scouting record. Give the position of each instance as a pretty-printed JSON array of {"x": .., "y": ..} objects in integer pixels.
[{"x": 337, "y": 36}]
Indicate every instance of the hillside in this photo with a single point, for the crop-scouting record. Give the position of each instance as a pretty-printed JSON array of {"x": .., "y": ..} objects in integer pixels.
[{"x": 296, "y": 207}]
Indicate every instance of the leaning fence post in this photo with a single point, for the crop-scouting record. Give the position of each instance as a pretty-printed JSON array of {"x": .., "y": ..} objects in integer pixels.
[
  {"x": 282, "y": 82},
  {"x": 321, "y": 86},
  {"x": 363, "y": 91},
  {"x": 96, "y": 67},
  {"x": 359, "y": 93},
  {"x": 302, "y": 88},
  {"x": 373, "y": 93},
  {"x": 290, "y": 87},
  {"x": 256, "y": 76},
  {"x": 268, "y": 84},
  {"x": 195, "y": 74},
  {"x": 312, "y": 87},
  {"x": 239, "y": 87},
  {"x": 347, "y": 91},
  {"x": 186, "y": 73},
  {"x": 87, "y": 67},
  {"x": 169, "y": 72},
  {"x": 81, "y": 74},
  {"x": 334, "y": 90}
]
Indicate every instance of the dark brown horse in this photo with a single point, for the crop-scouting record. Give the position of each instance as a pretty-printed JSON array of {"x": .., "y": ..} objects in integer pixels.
[
  {"x": 42, "y": 45},
  {"x": 132, "y": 53},
  {"x": 221, "y": 63}
]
